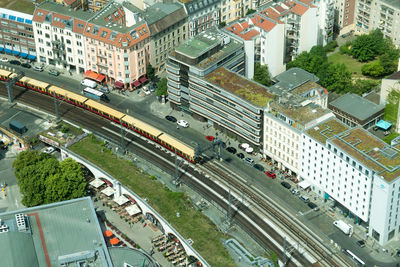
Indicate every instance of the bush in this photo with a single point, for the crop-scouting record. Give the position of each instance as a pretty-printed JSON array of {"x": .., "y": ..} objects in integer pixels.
[
  {"x": 373, "y": 69},
  {"x": 331, "y": 46},
  {"x": 64, "y": 129},
  {"x": 345, "y": 49}
]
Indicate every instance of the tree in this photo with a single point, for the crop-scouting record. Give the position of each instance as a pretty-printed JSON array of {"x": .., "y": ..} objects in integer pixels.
[
  {"x": 162, "y": 87},
  {"x": 367, "y": 46},
  {"x": 261, "y": 74},
  {"x": 336, "y": 77},
  {"x": 330, "y": 47},
  {"x": 150, "y": 71},
  {"x": 250, "y": 11},
  {"x": 362, "y": 86},
  {"x": 310, "y": 61},
  {"x": 373, "y": 69},
  {"x": 222, "y": 24}
]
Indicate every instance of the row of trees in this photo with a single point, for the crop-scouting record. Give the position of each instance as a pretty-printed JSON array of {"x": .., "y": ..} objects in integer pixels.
[{"x": 42, "y": 179}]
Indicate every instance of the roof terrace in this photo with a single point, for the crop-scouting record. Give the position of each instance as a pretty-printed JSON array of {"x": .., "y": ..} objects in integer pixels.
[{"x": 326, "y": 130}]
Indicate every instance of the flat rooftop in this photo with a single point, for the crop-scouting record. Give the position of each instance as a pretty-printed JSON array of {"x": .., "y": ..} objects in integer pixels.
[
  {"x": 292, "y": 78},
  {"x": 251, "y": 91},
  {"x": 370, "y": 151},
  {"x": 357, "y": 106},
  {"x": 326, "y": 130},
  {"x": 65, "y": 10},
  {"x": 307, "y": 87}
]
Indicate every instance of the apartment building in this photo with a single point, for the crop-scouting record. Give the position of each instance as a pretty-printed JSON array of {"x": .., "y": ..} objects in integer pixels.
[
  {"x": 344, "y": 15},
  {"x": 168, "y": 28},
  {"x": 16, "y": 34},
  {"x": 379, "y": 14},
  {"x": 234, "y": 9},
  {"x": 358, "y": 170},
  {"x": 326, "y": 20},
  {"x": 301, "y": 104},
  {"x": 117, "y": 44},
  {"x": 202, "y": 15},
  {"x": 58, "y": 32},
  {"x": 389, "y": 84}
]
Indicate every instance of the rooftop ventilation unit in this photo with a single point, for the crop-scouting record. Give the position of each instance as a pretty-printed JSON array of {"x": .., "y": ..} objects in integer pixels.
[
  {"x": 21, "y": 225},
  {"x": 389, "y": 152}
]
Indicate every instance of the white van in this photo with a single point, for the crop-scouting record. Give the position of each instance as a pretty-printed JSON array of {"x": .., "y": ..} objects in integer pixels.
[
  {"x": 89, "y": 83},
  {"x": 305, "y": 199}
]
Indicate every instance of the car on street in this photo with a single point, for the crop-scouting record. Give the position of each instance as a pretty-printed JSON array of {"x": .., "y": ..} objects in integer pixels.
[
  {"x": 183, "y": 123},
  {"x": 304, "y": 198},
  {"x": 313, "y": 206},
  {"x": 286, "y": 185},
  {"x": 361, "y": 243},
  {"x": 248, "y": 161},
  {"x": 146, "y": 91},
  {"x": 295, "y": 191},
  {"x": 4, "y": 59},
  {"x": 240, "y": 155},
  {"x": 258, "y": 167},
  {"x": 210, "y": 138},
  {"x": 54, "y": 72},
  {"x": 49, "y": 150},
  {"x": 270, "y": 174},
  {"x": 171, "y": 118},
  {"x": 26, "y": 65},
  {"x": 104, "y": 89},
  {"x": 15, "y": 62},
  {"x": 38, "y": 68},
  {"x": 152, "y": 87},
  {"x": 231, "y": 150}
]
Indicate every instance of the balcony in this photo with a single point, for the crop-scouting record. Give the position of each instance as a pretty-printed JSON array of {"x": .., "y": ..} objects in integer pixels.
[
  {"x": 102, "y": 64},
  {"x": 58, "y": 46}
]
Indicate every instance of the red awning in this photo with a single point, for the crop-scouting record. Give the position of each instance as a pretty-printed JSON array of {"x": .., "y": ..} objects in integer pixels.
[
  {"x": 101, "y": 78},
  {"x": 143, "y": 79},
  {"x": 119, "y": 84},
  {"x": 136, "y": 83},
  {"x": 94, "y": 76},
  {"x": 130, "y": 198},
  {"x": 107, "y": 182}
]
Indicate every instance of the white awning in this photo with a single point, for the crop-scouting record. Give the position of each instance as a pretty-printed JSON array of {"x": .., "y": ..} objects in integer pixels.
[
  {"x": 96, "y": 183},
  {"x": 108, "y": 191},
  {"x": 121, "y": 200},
  {"x": 304, "y": 184},
  {"x": 249, "y": 150},
  {"x": 245, "y": 145},
  {"x": 133, "y": 209}
]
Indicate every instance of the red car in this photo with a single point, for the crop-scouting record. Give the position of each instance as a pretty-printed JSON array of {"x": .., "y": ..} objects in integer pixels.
[
  {"x": 210, "y": 138},
  {"x": 270, "y": 174}
]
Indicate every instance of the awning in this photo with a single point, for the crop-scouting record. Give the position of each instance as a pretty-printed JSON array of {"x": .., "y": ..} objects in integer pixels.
[
  {"x": 8, "y": 51},
  {"x": 108, "y": 233},
  {"x": 114, "y": 241},
  {"x": 107, "y": 182},
  {"x": 101, "y": 78},
  {"x": 143, "y": 79},
  {"x": 96, "y": 183},
  {"x": 23, "y": 55},
  {"x": 108, "y": 191},
  {"x": 15, "y": 52},
  {"x": 119, "y": 84},
  {"x": 136, "y": 83},
  {"x": 130, "y": 198},
  {"x": 384, "y": 125},
  {"x": 121, "y": 200},
  {"x": 304, "y": 184},
  {"x": 1, "y": 49},
  {"x": 31, "y": 57},
  {"x": 94, "y": 76},
  {"x": 133, "y": 210}
]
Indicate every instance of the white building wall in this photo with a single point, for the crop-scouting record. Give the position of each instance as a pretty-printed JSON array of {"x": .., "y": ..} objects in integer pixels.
[
  {"x": 249, "y": 47},
  {"x": 386, "y": 87},
  {"x": 325, "y": 20},
  {"x": 308, "y": 33},
  {"x": 273, "y": 49}
]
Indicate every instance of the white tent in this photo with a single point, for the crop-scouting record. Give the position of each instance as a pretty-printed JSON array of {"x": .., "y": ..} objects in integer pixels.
[
  {"x": 96, "y": 183},
  {"x": 304, "y": 184},
  {"x": 245, "y": 145},
  {"x": 108, "y": 191},
  {"x": 133, "y": 209},
  {"x": 249, "y": 150},
  {"x": 120, "y": 200}
]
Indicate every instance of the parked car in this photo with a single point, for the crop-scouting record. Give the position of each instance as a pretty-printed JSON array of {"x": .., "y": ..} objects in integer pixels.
[
  {"x": 171, "y": 118},
  {"x": 104, "y": 89},
  {"x": 361, "y": 243},
  {"x": 295, "y": 191},
  {"x": 286, "y": 185},
  {"x": 38, "y": 68},
  {"x": 270, "y": 174},
  {"x": 249, "y": 161},
  {"x": 231, "y": 150},
  {"x": 258, "y": 167},
  {"x": 4, "y": 59},
  {"x": 26, "y": 65},
  {"x": 146, "y": 91},
  {"x": 49, "y": 150},
  {"x": 240, "y": 155},
  {"x": 54, "y": 72},
  {"x": 305, "y": 199},
  {"x": 313, "y": 206},
  {"x": 15, "y": 62},
  {"x": 183, "y": 123},
  {"x": 210, "y": 138},
  {"x": 153, "y": 87}
]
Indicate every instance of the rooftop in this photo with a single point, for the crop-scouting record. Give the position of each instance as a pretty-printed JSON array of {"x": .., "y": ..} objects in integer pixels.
[
  {"x": 240, "y": 86},
  {"x": 161, "y": 16},
  {"x": 370, "y": 151},
  {"x": 293, "y": 78},
  {"x": 394, "y": 76},
  {"x": 357, "y": 106},
  {"x": 393, "y": 3},
  {"x": 307, "y": 87},
  {"x": 64, "y": 10},
  {"x": 326, "y": 130}
]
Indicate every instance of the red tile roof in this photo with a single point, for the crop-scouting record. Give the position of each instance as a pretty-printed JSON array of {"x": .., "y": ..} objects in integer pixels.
[
  {"x": 263, "y": 23},
  {"x": 239, "y": 30},
  {"x": 39, "y": 15}
]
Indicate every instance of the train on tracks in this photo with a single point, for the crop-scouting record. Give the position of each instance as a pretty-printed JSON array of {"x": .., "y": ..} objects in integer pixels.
[{"x": 105, "y": 111}]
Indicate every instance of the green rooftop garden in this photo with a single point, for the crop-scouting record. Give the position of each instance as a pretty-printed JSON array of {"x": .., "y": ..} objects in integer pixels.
[{"x": 25, "y": 6}]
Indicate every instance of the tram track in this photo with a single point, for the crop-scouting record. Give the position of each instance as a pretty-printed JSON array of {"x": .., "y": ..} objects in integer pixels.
[{"x": 96, "y": 124}]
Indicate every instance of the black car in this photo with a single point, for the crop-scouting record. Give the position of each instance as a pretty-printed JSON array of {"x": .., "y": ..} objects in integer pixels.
[
  {"x": 170, "y": 118},
  {"x": 286, "y": 185},
  {"x": 313, "y": 206},
  {"x": 240, "y": 155},
  {"x": 231, "y": 150},
  {"x": 15, "y": 62},
  {"x": 258, "y": 167},
  {"x": 361, "y": 243},
  {"x": 26, "y": 65}
]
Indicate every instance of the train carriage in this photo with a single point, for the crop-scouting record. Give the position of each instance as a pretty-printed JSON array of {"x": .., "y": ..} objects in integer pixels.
[
  {"x": 33, "y": 84},
  {"x": 104, "y": 110},
  {"x": 68, "y": 96},
  {"x": 6, "y": 75},
  {"x": 141, "y": 127},
  {"x": 175, "y": 145}
]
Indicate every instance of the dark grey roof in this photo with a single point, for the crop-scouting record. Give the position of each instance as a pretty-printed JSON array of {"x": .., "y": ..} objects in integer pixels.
[
  {"x": 161, "y": 16},
  {"x": 357, "y": 106},
  {"x": 195, "y": 6},
  {"x": 293, "y": 78},
  {"x": 17, "y": 249}
]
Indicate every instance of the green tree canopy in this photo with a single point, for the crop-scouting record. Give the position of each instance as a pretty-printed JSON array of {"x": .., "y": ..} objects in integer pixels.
[
  {"x": 336, "y": 77},
  {"x": 373, "y": 69},
  {"x": 311, "y": 61},
  {"x": 261, "y": 74},
  {"x": 34, "y": 170},
  {"x": 250, "y": 11},
  {"x": 162, "y": 87},
  {"x": 150, "y": 71},
  {"x": 367, "y": 46}
]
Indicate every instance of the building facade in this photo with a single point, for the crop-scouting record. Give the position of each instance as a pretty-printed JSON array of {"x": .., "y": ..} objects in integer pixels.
[
  {"x": 344, "y": 15},
  {"x": 232, "y": 10},
  {"x": 168, "y": 29},
  {"x": 326, "y": 20},
  {"x": 16, "y": 34},
  {"x": 389, "y": 84}
]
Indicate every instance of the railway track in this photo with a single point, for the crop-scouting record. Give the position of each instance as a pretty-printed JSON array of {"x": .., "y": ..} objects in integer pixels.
[{"x": 97, "y": 124}]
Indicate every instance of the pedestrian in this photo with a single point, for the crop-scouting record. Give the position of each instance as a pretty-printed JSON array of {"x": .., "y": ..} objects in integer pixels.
[{"x": 177, "y": 127}]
